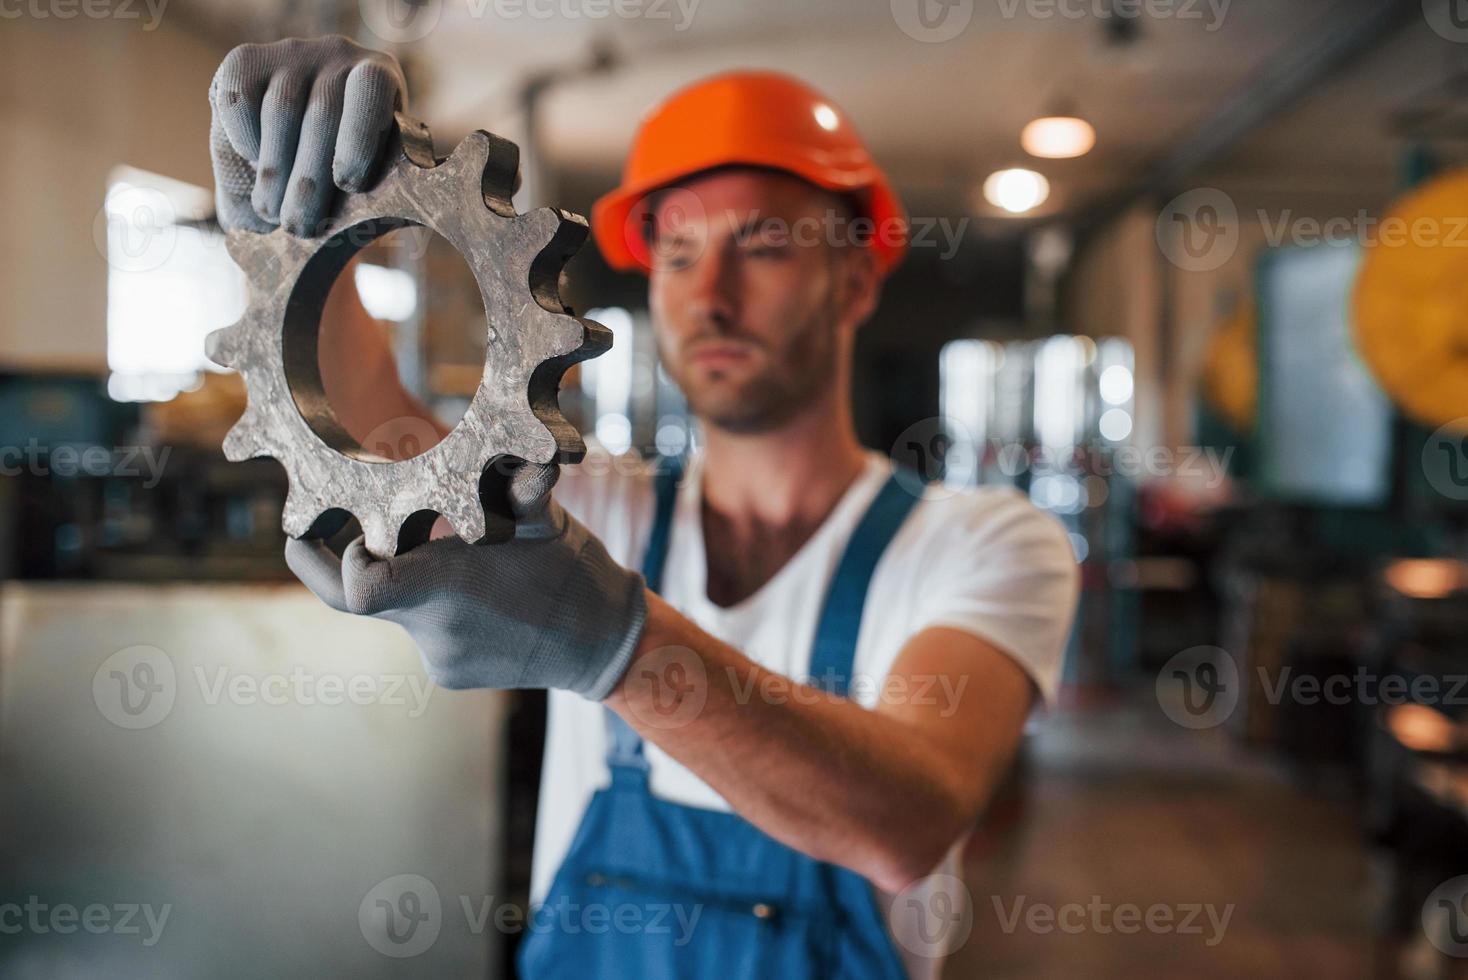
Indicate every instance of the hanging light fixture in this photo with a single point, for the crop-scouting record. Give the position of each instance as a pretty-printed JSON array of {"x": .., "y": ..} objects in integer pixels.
[
  {"x": 1058, "y": 137},
  {"x": 1016, "y": 189}
]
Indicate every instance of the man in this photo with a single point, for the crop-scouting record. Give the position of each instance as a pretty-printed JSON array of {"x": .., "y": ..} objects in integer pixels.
[{"x": 688, "y": 768}]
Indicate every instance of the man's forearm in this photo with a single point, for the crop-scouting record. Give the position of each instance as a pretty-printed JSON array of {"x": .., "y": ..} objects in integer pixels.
[
  {"x": 360, "y": 377},
  {"x": 818, "y": 772}
]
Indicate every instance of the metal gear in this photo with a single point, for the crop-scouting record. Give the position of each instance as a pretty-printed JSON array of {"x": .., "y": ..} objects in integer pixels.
[{"x": 532, "y": 338}]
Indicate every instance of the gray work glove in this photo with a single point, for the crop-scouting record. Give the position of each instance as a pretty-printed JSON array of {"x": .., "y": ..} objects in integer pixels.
[
  {"x": 546, "y": 609},
  {"x": 293, "y": 120}
]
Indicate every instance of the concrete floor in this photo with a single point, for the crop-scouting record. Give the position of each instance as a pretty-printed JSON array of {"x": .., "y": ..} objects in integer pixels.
[{"x": 1123, "y": 807}]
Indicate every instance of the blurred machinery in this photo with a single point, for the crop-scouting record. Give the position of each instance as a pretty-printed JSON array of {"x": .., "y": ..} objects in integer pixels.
[
  {"x": 138, "y": 493},
  {"x": 1411, "y": 327},
  {"x": 1344, "y": 575},
  {"x": 1230, "y": 383},
  {"x": 1410, "y": 301}
]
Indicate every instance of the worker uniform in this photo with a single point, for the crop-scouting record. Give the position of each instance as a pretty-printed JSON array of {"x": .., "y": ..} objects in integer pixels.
[{"x": 984, "y": 561}]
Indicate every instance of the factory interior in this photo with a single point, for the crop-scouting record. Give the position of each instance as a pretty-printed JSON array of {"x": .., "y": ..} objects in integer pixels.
[{"x": 1184, "y": 282}]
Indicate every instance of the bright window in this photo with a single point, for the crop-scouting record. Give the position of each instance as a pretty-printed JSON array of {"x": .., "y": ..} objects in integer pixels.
[{"x": 170, "y": 282}]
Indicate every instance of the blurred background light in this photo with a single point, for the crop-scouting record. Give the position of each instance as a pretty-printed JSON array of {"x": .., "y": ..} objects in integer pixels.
[
  {"x": 387, "y": 294},
  {"x": 614, "y": 431},
  {"x": 1016, "y": 190},
  {"x": 607, "y": 380},
  {"x": 1115, "y": 384},
  {"x": 169, "y": 284},
  {"x": 1058, "y": 137},
  {"x": 672, "y": 435},
  {"x": 1115, "y": 424}
]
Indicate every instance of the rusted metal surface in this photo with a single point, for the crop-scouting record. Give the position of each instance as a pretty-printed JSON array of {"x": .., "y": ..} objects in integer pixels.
[{"x": 532, "y": 338}]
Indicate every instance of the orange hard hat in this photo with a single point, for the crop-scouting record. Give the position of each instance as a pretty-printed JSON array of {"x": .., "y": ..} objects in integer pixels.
[{"x": 755, "y": 118}]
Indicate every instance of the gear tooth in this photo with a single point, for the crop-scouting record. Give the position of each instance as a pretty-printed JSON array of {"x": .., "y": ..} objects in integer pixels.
[
  {"x": 222, "y": 346},
  {"x": 532, "y": 435},
  {"x": 544, "y": 222},
  {"x": 262, "y": 253},
  {"x": 297, "y": 516},
  {"x": 596, "y": 339},
  {"x": 382, "y": 540},
  {"x": 241, "y": 443},
  {"x": 244, "y": 246},
  {"x": 489, "y": 162},
  {"x": 560, "y": 235},
  {"x": 471, "y": 155},
  {"x": 469, "y": 525},
  {"x": 557, "y": 234},
  {"x": 557, "y": 334},
  {"x": 414, "y": 143}
]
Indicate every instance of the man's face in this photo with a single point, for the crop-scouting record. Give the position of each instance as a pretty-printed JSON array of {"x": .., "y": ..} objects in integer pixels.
[{"x": 754, "y": 295}]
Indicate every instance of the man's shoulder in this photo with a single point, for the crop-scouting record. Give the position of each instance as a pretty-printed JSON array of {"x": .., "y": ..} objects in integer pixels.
[
  {"x": 970, "y": 515},
  {"x": 988, "y": 561},
  {"x": 985, "y": 534}
]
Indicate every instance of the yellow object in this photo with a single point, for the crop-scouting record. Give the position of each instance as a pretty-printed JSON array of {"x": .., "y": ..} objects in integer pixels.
[
  {"x": 1231, "y": 371},
  {"x": 1411, "y": 302}
]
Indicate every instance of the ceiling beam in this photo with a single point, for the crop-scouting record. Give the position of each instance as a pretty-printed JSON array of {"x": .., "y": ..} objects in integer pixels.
[{"x": 1346, "y": 33}]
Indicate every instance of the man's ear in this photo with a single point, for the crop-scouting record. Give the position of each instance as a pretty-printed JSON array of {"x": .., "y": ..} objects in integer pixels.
[{"x": 861, "y": 284}]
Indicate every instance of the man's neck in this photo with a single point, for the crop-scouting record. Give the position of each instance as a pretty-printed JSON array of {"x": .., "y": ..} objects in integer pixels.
[{"x": 794, "y": 475}]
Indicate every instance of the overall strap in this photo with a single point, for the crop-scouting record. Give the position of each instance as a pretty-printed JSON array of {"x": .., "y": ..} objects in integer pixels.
[
  {"x": 665, "y": 484},
  {"x": 624, "y": 746},
  {"x": 834, "y": 646},
  {"x": 835, "y": 641}
]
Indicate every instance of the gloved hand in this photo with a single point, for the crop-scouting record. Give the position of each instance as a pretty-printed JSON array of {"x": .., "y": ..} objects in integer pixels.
[
  {"x": 549, "y": 608},
  {"x": 292, "y": 120}
]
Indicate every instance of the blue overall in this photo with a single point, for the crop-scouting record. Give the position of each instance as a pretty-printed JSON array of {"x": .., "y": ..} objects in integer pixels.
[{"x": 704, "y": 893}]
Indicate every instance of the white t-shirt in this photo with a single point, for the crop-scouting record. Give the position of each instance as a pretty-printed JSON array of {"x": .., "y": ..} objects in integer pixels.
[{"x": 985, "y": 561}]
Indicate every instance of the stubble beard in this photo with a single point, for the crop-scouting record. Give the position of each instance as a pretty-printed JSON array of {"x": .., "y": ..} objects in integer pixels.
[{"x": 797, "y": 377}]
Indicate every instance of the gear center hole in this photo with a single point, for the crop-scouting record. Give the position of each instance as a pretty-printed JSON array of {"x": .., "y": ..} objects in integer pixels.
[{"x": 385, "y": 362}]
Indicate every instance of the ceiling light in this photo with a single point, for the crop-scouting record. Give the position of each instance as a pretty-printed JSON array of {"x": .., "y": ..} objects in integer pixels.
[
  {"x": 1058, "y": 137},
  {"x": 1016, "y": 190}
]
